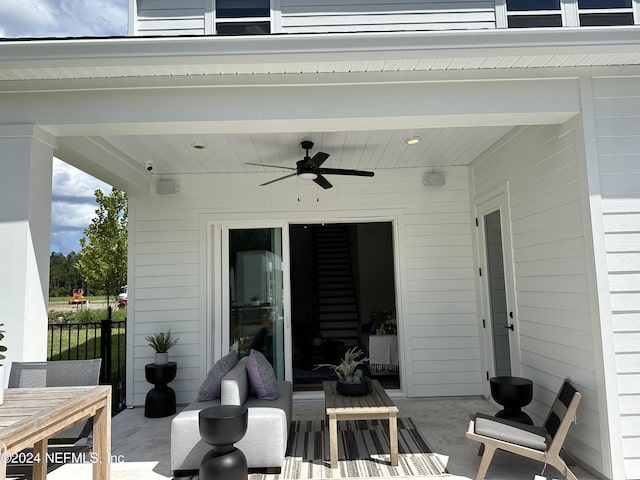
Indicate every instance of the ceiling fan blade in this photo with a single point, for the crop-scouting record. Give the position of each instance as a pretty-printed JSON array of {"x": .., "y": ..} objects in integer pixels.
[
  {"x": 278, "y": 179},
  {"x": 318, "y": 159},
  {"x": 323, "y": 182},
  {"x": 344, "y": 171},
  {"x": 265, "y": 165}
]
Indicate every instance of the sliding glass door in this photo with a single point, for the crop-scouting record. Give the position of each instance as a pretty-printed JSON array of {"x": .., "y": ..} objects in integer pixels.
[{"x": 254, "y": 298}]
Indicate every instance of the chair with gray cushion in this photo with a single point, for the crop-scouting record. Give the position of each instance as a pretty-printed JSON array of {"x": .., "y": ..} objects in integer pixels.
[
  {"x": 539, "y": 443},
  {"x": 62, "y": 373}
]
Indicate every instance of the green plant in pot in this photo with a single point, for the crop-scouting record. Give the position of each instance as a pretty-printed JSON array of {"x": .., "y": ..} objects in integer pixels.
[
  {"x": 161, "y": 342},
  {"x": 351, "y": 378},
  {"x": 3, "y": 349}
]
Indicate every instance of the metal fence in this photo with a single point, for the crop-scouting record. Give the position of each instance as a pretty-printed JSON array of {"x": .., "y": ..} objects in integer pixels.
[{"x": 83, "y": 341}]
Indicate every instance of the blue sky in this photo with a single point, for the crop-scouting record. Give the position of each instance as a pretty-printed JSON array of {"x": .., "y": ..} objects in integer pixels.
[{"x": 73, "y": 204}]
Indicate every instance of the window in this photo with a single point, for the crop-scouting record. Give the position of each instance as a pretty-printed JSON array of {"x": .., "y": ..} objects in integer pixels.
[
  {"x": 533, "y": 13},
  {"x": 243, "y": 17},
  {"x": 605, "y": 12},
  {"x": 569, "y": 13}
]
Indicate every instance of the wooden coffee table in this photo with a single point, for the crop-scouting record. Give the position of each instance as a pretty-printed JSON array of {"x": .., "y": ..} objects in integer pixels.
[{"x": 374, "y": 406}]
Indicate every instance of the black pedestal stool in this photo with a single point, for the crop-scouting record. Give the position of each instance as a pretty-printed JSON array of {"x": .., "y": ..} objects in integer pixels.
[
  {"x": 161, "y": 399},
  {"x": 221, "y": 427}
]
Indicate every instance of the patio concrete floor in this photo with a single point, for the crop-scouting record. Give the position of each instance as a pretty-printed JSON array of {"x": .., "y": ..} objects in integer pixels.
[{"x": 141, "y": 446}]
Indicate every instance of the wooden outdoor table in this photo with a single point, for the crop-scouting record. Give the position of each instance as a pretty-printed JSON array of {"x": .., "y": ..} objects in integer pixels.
[
  {"x": 374, "y": 406},
  {"x": 29, "y": 416}
]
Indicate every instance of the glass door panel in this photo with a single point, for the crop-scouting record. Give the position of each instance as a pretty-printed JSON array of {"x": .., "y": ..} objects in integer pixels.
[
  {"x": 497, "y": 294},
  {"x": 256, "y": 302}
]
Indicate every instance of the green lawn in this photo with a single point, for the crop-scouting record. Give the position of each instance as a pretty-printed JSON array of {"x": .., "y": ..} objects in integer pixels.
[
  {"x": 65, "y": 300},
  {"x": 84, "y": 343}
]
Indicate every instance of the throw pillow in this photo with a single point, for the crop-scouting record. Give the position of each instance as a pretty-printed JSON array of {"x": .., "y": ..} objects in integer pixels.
[
  {"x": 261, "y": 376},
  {"x": 210, "y": 388}
]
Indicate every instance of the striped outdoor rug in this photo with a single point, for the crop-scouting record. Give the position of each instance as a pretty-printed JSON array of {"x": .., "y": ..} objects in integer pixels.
[{"x": 363, "y": 452}]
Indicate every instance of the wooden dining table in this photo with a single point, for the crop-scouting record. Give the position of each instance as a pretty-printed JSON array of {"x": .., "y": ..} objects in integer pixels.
[{"x": 30, "y": 416}]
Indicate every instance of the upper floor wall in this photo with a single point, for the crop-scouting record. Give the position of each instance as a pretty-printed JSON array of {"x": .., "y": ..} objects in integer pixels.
[{"x": 249, "y": 17}]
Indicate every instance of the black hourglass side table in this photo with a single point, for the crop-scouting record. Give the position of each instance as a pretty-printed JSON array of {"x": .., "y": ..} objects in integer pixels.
[
  {"x": 221, "y": 427},
  {"x": 161, "y": 399},
  {"x": 512, "y": 393}
]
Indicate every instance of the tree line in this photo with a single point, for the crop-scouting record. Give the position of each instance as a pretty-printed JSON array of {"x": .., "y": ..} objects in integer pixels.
[
  {"x": 63, "y": 274},
  {"x": 100, "y": 267}
]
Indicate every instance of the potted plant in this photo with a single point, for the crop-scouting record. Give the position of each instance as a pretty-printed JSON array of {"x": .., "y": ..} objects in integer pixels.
[
  {"x": 351, "y": 378},
  {"x": 3, "y": 349},
  {"x": 161, "y": 342}
]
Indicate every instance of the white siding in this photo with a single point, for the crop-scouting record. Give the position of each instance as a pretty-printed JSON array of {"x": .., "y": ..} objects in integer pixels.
[
  {"x": 187, "y": 17},
  {"x": 554, "y": 321},
  {"x": 437, "y": 307},
  {"x": 318, "y": 16},
  {"x": 170, "y": 17},
  {"x": 617, "y": 112}
]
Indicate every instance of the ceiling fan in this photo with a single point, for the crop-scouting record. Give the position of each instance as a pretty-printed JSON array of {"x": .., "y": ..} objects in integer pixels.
[{"x": 309, "y": 168}]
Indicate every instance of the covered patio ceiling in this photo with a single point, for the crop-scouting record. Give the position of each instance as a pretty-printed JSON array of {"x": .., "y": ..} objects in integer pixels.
[{"x": 112, "y": 105}]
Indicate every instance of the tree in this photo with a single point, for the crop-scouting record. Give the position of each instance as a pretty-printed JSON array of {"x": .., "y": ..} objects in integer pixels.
[
  {"x": 63, "y": 275},
  {"x": 102, "y": 262}
]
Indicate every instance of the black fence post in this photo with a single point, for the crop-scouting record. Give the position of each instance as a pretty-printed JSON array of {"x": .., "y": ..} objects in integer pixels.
[{"x": 105, "y": 346}]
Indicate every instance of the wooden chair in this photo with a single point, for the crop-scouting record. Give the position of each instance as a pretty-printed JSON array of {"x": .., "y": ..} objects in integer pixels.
[{"x": 539, "y": 443}]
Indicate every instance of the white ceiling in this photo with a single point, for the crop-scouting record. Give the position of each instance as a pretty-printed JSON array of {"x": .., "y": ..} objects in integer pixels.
[
  {"x": 121, "y": 85},
  {"x": 368, "y": 150}
]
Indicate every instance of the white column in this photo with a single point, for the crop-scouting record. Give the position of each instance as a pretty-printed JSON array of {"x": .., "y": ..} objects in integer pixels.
[{"x": 26, "y": 157}]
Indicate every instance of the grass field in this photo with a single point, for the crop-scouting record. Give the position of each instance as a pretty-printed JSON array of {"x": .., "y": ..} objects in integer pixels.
[
  {"x": 97, "y": 299},
  {"x": 74, "y": 343}
]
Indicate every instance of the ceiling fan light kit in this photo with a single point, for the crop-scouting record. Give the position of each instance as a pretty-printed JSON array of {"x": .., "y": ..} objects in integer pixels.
[
  {"x": 309, "y": 168},
  {"x": 308, "y": 175}
]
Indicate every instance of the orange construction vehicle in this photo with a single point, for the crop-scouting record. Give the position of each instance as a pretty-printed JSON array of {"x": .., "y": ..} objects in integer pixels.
[{"x": 76, "y": 297}]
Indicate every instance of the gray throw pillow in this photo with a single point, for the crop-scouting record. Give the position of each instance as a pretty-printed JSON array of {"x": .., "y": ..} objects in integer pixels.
[
  {"x": 261, "y": 376},
  {"x": 210, "y": 388}
]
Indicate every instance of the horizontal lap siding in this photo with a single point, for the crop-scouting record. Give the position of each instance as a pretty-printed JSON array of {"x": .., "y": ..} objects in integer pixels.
[
  {"x": 550, "y": 265},
  {"x": 315, "y": 16},
  {"x": 617, "y": 111},
  {"x": 166, "y": 267},
  {"x": 445, "y": 348},
  {"x": 170, "y": 17},
  {"x": 438, "y": 302},
  {"x": 177, "y": 17}
]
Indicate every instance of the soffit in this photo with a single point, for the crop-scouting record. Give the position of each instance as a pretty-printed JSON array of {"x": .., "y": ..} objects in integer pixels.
[
  {"x": 145, "y": 57},
  {"x": 113, "y": 64}
]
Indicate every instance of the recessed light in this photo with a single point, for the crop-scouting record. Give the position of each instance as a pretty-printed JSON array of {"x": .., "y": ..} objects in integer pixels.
[
  {"x": 412, "y": 140},
  {"x": 199, "y": 145}
]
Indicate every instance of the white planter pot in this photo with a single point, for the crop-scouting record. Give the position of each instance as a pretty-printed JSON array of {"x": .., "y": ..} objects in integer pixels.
[{"x": 161, "y": 358}]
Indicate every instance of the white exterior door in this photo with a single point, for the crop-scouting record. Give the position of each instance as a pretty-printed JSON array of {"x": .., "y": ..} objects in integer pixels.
[{"x": 499, "y": 320}]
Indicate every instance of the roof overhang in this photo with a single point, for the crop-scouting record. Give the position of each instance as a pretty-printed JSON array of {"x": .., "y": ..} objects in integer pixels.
[
  {"x": 108, "y": 101},
  {"x": 94, "y": 58}
]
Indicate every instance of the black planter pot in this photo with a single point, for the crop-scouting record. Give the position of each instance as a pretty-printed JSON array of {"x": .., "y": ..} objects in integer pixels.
[{"x": 352, "y": 389}]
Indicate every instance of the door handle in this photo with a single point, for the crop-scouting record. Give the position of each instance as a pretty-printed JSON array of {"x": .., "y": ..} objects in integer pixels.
[{"x": 510, "y": 326}]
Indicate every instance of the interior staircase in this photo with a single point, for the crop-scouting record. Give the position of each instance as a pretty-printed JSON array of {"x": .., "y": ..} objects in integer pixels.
[{"x": 338, "y": 317}]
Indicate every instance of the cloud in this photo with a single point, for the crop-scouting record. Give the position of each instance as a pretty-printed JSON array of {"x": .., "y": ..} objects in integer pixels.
[
  {"x": 73, "y": 205},
  {"x": 63, "y": 18}
]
